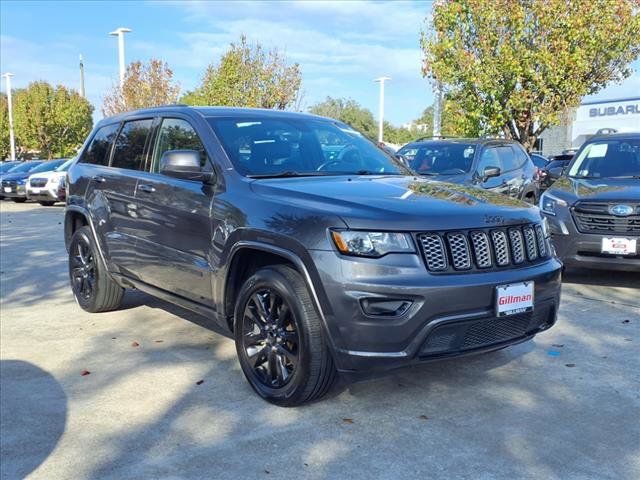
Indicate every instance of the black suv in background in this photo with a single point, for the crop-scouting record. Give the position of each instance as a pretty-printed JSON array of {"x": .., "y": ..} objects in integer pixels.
[
  {"x": 594, "y": 208},
  {"x": 496, "y": 165},
  {"x": 319, "y": 252}
]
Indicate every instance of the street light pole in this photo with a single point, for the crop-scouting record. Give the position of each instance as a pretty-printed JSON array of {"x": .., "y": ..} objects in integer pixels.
[
  {"x": 119, "y": 32},
  {"x": 81, "y": 77},
  {"x": 12, "y": 139},
  {"x": 437, "y": 110},
  {"x": 381, "y": 80}
]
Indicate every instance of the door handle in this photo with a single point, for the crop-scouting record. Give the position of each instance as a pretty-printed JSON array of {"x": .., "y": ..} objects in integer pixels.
[
  {"x": 146, "y": 188},
  {"x": 98, "y": 178}
]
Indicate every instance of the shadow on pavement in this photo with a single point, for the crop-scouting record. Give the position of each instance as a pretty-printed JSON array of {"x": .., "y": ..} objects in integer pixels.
[{"x": 33, "y": 414}]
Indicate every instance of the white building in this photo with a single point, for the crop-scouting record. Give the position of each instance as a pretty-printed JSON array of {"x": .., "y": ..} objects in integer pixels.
[{"x": 621, "y": 114}]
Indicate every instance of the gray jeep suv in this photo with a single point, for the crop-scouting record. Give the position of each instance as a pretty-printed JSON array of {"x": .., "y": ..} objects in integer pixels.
[{"x": 320, "y": 253}]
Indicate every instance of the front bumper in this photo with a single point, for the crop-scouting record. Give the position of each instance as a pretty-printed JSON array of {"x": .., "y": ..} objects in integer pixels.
[
  {"x": 48, "y": 193},
  {"x": 449, "y": 315},
  {"x": 577, "y": 249},
  {"x": 14, "y": 192}
]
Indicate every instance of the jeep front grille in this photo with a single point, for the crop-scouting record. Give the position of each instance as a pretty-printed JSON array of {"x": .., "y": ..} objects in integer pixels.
[{"x": 458, "y": 251}]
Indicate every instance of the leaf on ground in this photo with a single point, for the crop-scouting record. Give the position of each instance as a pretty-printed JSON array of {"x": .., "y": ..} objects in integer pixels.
[
  {"x": 84, "y": 373},
  {"x": 159, "y": 341},
  {"x": 199, "y": 382},
  {"x": 569, "y": 364},
  {"x": 423, "y": 417},
  {"x": 113, "y": 338},
  {"x": 347, "y": 420},
  {"x": 626, "y": 321},
  {"x": 267, "y": 471},
  {"x": 557, "y": 345},
  {"x": 135, "y": 344}
]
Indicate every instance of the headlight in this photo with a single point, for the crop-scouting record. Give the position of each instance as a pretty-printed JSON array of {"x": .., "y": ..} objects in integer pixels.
[
  {"x": 371, "y": 244},
  {"x": 548, "y": 203}
]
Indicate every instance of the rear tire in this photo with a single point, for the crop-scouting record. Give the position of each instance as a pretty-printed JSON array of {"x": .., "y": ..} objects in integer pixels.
[
  {"x": 279, "y": 337},
  {"x": 19, "y": 200},
  {"x": 93, "y": 288},
  {"x": 46, "y": 203}
]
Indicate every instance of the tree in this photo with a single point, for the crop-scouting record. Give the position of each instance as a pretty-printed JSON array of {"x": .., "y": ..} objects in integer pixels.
[
  {"x": 53, "y": 121},
  {"x": 5, "y": 146},
  {"x": 145, "y": 85},
  {"x": 248, "y": 76},
  {"x": 348, "y": 111},
  {"x": 514, "y": 67}
]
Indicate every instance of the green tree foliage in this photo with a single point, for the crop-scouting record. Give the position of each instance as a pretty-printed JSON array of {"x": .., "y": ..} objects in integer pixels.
[
  {"x": 5, "y": 146},
  {"x": 145, "y": 85},
  {"x": 53, "y": 121},
  {"x": 350, "y": 112},
  {"x": 249, "y": 76},
  {"x": 514, "y": 66}
]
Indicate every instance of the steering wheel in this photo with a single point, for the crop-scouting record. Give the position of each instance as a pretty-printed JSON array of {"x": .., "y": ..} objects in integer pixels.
[{"x": 349, "y": 149}]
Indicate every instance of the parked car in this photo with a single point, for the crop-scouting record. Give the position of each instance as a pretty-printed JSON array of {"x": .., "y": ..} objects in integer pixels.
[
  {"x": 14, "y": 185},
  {"x": 594, "y": 208},
  {"x": 540, "y": 162},
  {"x": 14, "y": 180},
  {"x": 316, "y": 262},
  {"x": 555, "y": 168},
  {"x": 47, "y": 188},
  {"x": 501, "y": 166},
  {"x": 6, "y": 166}
]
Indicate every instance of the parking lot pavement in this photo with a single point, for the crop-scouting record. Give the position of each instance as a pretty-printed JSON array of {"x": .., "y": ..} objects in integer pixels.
[{"x": 565, "y": 405}]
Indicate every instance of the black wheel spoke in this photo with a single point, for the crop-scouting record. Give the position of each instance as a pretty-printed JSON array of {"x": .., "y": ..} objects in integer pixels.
[{"x": 269, "y": 338}]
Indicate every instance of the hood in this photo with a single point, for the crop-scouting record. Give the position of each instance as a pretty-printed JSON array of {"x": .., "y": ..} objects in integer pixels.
[
  {"x": 398, "y": 202},
  {"x": 605, "y": 189},
  {"x": 49, "y": 174},
  {"x": 16, "y": 176}
]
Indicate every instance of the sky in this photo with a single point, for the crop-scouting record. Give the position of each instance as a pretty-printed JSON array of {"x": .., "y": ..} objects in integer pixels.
[{"x": 341, "y": 46}]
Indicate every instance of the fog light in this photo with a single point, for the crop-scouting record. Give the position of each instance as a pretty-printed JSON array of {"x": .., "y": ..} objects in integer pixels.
[{"x": 378, "y": 307}]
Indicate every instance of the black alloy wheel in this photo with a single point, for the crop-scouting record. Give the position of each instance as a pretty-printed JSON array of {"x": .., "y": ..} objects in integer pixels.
[
  {"x": 83, "y": 269},
  {"x": 270, "y": 338}
]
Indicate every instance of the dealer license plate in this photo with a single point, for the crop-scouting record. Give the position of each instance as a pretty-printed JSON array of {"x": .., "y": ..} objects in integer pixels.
[
  {"x": 514, "y": 298},
  {"x": 7, "y": 189},
  {"x": 619, "y": 246}
]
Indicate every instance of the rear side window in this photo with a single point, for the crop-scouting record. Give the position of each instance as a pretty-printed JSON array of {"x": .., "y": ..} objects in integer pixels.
[
  {"x": 97, "y": 153},
  {"x": 131, "y": 145},
  {"x": 489, "y": 159},
  {"x": 177, "y": 134}
]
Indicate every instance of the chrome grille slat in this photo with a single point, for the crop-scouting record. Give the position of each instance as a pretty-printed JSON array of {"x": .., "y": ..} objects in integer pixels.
[
  {"x": 500, "y": 247},
  {"x": 460, "y": 253},
  {"x": 447, "y": 252},
  {"x": 434, "y": 252},
  {"x": 481, "y": 249},
  {"x": 542, "y": 244},
  {"x": 530, "y": 243}
]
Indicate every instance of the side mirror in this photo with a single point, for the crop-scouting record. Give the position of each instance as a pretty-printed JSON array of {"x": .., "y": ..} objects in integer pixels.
[
  {"x": 490, "y": 172},
  {"x": 184, "y": 164}
]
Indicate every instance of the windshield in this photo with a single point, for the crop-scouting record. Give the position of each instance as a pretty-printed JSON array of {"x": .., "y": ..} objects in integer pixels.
[
  {"x": 439, "y": 158},
  {"x": 47, "y": 166},
  {"x": 24, "y": 167},
  {"x": 5, "y": 167},
  {"x": 608, "y": 159},
  {"x": 65, "y": 166},
  {"x": 263, "y": 147}
]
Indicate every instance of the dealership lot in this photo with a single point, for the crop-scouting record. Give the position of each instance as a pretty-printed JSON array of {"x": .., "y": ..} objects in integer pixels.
[{"x": 565, "y": 405}]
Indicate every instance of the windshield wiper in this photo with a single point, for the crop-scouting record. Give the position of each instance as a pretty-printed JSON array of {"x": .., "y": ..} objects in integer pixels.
[
  {"x": 289, "y": 173},
  {"x": 625, "y": 176}
]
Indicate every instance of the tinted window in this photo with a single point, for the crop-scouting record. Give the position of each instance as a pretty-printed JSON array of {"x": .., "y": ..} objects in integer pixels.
[
  {"x": 98, "y": 150},
  {"x": 608, "y": 159},
  {"x": 304, "y": 146},
  {"x": 539, "y": 161},
  {"x": 509, "y": 159},
  {"x": 47, "y": 166},
  {"x": 442, "y": 158},
  {"x": 129, "y": 151},
  {"x": 177, "y": 134},
  {"x": 24, "y": 167},
  {"x": 489, "y": 159}
]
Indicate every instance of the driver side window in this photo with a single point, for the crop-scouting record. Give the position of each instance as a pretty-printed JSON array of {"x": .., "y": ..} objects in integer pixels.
[
  {"x": 488, "y": 159},
  {"x": 177, "y": 134}
]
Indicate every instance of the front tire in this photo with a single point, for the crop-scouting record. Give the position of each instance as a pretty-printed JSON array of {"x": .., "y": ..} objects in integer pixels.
[
  {"x": 92, "y": 287},
  {"x": 280, "y": 342},
  {"x": 46, "y": 203},
  {"x": 19, "y": 200}
]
